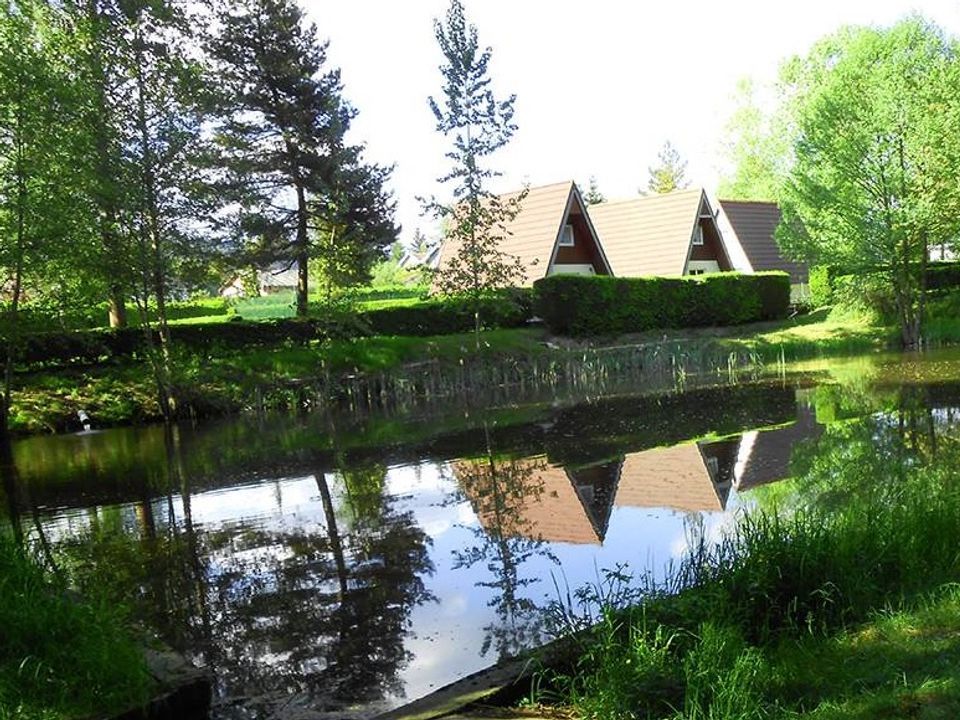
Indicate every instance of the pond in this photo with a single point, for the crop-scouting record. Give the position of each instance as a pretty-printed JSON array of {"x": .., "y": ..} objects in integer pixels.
[{"x": 348, "y": 565}]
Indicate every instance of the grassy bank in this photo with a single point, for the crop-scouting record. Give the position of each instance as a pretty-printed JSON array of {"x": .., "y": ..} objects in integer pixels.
[
  {"x": 837, "y": 599},
  {"x": 227, "y": 381},
  {"x": 59, "y": 657}
]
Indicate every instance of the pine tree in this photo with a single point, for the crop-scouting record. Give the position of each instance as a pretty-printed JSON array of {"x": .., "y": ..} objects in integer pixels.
[
  {"x": 280, "y": 133},
  {"x": 593, "y": 196},
  {"x": 670, "y": 173},
  {"x": 478, "y": 125}
]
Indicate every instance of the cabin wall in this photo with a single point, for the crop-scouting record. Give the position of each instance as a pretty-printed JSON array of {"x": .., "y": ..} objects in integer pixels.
[{"x": 584, "y": 250}]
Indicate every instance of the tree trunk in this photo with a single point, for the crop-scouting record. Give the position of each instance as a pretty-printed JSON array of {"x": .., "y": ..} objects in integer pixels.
[
  {"x": 163, "y": 369},
  {"x": 336, "y": 545},
  {"x": 11, "y": 346},
  {"x": 303, "y": 253},
  {"x": 104, "y": 196}
]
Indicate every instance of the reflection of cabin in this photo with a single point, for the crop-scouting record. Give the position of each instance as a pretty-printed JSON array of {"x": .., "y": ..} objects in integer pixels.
[
  {"x": 671, "y": 234},
  {"x": 530, "y": 498},
  {"x": 765, "y": 455},
  {"x": 552, "y": 234},
  {"x": 691, "y": 478}
]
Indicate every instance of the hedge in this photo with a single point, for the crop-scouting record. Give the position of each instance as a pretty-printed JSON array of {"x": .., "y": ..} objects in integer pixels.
[
  {"x": 451, "y": 315},
  {"x": 601, "y": 305},
  {"x": 511, "y": 308}
]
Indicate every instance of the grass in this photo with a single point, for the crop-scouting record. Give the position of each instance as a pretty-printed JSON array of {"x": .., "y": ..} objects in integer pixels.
[
  {"x": 59, "y": 657},
  {"x": 841, "y": 605}
]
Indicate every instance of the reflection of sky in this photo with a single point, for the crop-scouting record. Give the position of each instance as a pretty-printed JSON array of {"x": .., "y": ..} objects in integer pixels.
[{"x": 445, "y": 637}]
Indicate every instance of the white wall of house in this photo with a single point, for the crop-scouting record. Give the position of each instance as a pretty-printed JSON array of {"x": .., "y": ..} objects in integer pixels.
[
  {"x": 571, "y": 269},
  {"x": 701, "y": 267}
]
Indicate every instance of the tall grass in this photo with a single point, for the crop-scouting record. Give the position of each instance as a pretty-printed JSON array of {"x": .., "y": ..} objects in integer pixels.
[{"x": 59, "y": 657}]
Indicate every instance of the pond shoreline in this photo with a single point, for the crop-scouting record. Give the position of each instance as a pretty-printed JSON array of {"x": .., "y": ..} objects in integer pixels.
[{"x": 402, "y": 371}]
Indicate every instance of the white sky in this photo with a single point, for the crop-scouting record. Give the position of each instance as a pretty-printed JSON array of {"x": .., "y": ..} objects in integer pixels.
[{"x": 600, "y": 85}]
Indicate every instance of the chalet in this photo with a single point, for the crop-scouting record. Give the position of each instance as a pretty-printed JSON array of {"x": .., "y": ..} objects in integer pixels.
[
  {"x": 671, "y": 234},
  {"x": 551, "y": 234},
  {"x": 752, "y": 224}
]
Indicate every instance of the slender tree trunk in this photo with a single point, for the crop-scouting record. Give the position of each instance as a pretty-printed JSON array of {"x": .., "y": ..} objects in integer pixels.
[
  {"x": 336, "y": 545},
  {"x": 163, "y": 370},
  {"x": 10, "y": 479},
  {"x": 12, "y": 343},
  {"x": 303, "y": 252},
  {"x": 106, "y": 187}
]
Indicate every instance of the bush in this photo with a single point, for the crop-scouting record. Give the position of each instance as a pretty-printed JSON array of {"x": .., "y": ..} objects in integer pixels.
[
  {"x": 512, "y": 308},
  {"x": 821, "y": 286},
  {"x": 603, "y": 305},
  {"x": 943, "y": 277}
]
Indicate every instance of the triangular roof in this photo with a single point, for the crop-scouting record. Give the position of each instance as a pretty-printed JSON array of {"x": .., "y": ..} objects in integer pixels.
[
  {"x": 674, "y": 477},
  {"x": 754, "y": 223},
  {"x": 534, "y": 233},
  {"x": 651, "y": 234}
]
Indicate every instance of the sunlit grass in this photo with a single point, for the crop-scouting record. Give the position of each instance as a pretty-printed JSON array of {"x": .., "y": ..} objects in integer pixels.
[{"x": 60, "y": 657}]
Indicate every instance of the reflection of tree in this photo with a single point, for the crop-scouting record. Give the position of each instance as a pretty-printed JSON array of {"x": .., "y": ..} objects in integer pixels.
[
  {"x": 273, "y": 608},
  {"x": 500, "y": 490},
  {"x": 873, "y": 454}
]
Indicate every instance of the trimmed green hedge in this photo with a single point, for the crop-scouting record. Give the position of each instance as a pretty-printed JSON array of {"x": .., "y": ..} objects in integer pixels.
[
  {"x": 512, "y": 308},
  {"x": 601, "y": 305},
  {"x": 821, "y": 286}
]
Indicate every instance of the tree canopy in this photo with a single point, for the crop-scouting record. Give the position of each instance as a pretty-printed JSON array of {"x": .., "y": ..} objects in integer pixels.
[{"x": 873, "y": 181}]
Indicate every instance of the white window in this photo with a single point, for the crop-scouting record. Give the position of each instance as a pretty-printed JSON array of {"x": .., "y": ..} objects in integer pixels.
[
  {"x": 698, "y": 235},
  {"x": 696, "y": 271},
  {"x": 566, "y": 236}
]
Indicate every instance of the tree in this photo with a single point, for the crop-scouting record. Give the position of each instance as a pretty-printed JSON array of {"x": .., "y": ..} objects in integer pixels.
[
  {"x": 593, "y": 196},
  {"x": 877, "y": 149},
  {"x": 479, "y": 124},
  {"x": 38, "y": 205},
  {"x": 280, "y": 132},
  {"x": 670, "y": 173},
  {"x": 757, "y": 147}
]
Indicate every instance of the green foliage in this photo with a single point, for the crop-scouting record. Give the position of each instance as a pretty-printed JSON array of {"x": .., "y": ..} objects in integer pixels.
[
  {"x": 593, "y": 196},
  {"x": 61, "y": 658},
  {"x": 600, "y": 305},
  {"x": 821, "y": 286},
  {"x": 757, "y": 147},
  {"x": 876, "y": 147},
  {"x": 670, "y": 174},
  {"x": 451, "y": 315}
]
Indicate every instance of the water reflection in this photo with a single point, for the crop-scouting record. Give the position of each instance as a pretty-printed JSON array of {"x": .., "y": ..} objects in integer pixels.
[{"x": 344, "y": 568}]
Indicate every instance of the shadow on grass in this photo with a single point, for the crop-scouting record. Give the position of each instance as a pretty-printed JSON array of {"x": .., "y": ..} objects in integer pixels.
[{"x": 901, "y": 665}]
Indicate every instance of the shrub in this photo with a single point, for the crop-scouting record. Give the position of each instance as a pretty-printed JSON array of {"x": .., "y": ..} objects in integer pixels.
[
  {"x": 821, "y": 286},
  {"x": 443, "y": 316},
  {"x": 602, "y": 305},
  {"x": 943, "y": 277}
]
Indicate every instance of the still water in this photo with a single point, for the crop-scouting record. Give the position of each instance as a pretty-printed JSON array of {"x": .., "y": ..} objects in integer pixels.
[{"x": 346, "y": 566}]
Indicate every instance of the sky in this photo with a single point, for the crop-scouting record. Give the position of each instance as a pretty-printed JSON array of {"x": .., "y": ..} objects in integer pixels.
[{"x": 600, "y": 85}]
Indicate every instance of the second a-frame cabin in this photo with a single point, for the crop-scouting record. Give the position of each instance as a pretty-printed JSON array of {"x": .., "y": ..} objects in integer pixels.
[
  {"x": 551, "y": 234},
  {"x": 671, "y": 234}
]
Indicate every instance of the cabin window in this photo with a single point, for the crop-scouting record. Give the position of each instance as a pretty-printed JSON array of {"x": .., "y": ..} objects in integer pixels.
[
  {"x": 698, "y": 235},
  {"x": 566, "y": 236},
  {"x": 696, "y": 271}
]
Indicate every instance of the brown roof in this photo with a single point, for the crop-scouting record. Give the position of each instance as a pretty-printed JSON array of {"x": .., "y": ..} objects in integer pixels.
[
  {"x": 531, "y": 499},
  {"x": 675, "y": 477},
  {"x": 648, "y": 235},
  {"x": 754, "y": 223},
  {"x": 533, "y": 233}
]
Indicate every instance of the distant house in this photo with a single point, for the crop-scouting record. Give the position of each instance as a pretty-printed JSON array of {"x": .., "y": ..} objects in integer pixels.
[
  {"x": 429, "y": 258},
  {"x": 753, "y": 224},
  {"x": 277, "y": 278},
  {"x": 671, "y": 234},
  {"x": 552, "y": 234}
]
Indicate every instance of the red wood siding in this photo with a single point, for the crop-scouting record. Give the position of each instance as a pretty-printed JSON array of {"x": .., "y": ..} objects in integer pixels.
[
  {"x": 712, "y": 248},
  {"x": 584, "y": 250}
]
